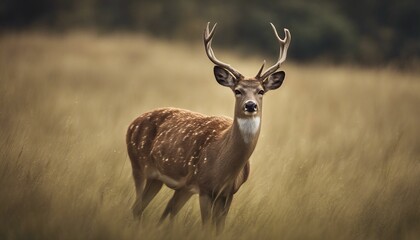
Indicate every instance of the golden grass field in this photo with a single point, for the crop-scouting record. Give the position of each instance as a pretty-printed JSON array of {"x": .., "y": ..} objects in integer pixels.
[{"x": 338, "y": 155}]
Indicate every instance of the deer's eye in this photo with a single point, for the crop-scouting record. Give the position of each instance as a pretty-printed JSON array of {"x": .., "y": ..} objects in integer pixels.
[
  {"x": 261, "y": 92},
  {"x": 237, "y": 92}
]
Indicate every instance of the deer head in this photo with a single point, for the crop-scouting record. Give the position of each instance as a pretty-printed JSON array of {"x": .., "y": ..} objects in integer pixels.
[{"x": 248, "y": 91}]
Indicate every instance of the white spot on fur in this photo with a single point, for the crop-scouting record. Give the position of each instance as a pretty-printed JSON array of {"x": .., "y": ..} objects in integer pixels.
[{"x": 248, "y": 127}]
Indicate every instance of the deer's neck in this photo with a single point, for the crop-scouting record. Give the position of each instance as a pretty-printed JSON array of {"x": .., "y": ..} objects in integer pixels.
[{"x": 239, "y": 143}]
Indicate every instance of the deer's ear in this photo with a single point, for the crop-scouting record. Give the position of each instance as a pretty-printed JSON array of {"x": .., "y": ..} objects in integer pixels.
[
  {"x": 274, "y": 81},
  {"x": 223, "y": 77}
]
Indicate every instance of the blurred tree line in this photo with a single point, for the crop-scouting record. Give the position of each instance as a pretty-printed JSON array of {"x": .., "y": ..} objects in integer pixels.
[{"x": 358, "y": 31}]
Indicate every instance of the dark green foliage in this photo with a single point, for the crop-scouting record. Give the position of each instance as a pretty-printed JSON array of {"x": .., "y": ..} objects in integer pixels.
[{"x": 372, "y": 32}]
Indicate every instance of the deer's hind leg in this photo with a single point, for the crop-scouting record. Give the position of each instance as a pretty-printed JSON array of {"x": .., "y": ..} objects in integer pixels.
[
  {"x": 180, "y": 197},
  {"x": 140, "y": 183},
  {"x": 146, "y": 190},
  {"x": 152, "y": 188}
]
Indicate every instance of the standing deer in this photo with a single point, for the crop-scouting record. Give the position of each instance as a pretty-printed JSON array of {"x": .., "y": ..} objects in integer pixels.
[{"x": 193, "y": 153}]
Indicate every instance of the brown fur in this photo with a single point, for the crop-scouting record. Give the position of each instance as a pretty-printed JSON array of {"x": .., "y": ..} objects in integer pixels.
[
  {"x": 174, "y": 142},
  {"x": 190, "y": 153}
]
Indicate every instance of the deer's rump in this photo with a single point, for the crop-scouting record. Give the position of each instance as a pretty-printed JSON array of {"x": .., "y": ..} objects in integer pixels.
[{"x": 169, "y": 144}]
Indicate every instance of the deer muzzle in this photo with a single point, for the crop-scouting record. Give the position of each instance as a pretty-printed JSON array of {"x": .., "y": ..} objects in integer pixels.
[{"x": 250, "y": 107}]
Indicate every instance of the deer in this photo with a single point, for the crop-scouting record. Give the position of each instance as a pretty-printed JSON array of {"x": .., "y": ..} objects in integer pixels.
[{"x": 193, "y": 153}]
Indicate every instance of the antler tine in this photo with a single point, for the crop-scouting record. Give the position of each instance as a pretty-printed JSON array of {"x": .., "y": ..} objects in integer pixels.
[
  {"x": 259, "y": 72},
  {"x": 284, "y": 45},
  {"x": 208, "y": 37}
]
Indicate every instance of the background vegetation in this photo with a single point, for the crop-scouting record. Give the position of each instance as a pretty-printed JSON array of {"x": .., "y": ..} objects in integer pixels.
[
  {"x": 338, "y": 156},
  {"x": 374, "y": 32}
]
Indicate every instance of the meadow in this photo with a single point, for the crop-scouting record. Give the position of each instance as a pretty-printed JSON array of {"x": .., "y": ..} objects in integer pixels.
[{"x": 338, "y": 155}]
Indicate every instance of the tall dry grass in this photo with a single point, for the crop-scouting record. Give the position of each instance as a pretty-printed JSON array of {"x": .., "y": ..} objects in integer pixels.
[{"x": 338, "y": 156}]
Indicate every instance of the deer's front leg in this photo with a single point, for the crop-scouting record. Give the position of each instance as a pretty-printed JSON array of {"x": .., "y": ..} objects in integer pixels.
[
  {"x": 205, "y": 207},
  {"x": 221, "y": 208}
]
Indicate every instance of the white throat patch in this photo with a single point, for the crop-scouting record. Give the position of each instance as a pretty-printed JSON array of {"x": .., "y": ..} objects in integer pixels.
[{"x": 248, "y": 127}]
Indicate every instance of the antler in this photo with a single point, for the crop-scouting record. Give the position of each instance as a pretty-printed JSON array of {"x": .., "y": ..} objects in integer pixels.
[
  {"x": 284, "y": 45},
  {"x": 208, "y": 37}
]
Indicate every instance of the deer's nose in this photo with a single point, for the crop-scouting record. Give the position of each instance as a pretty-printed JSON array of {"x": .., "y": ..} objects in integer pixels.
[{"x": 250, "y": 106}]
